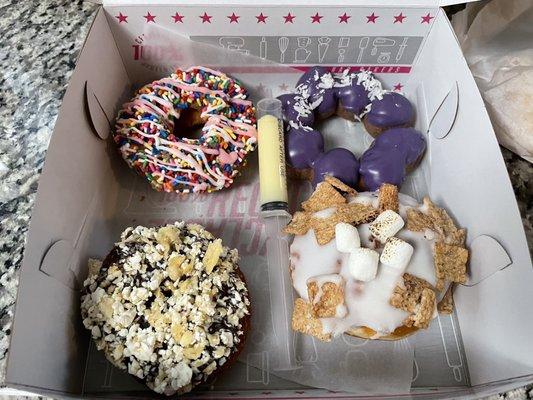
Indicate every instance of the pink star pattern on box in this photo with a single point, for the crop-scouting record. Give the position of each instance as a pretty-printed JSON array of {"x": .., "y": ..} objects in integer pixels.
[
  {"x": 289, "y": 18},
  {"x": 426, "y": 19},
  {"x": 398, "y": 87},
  {"x": 283, "y": 87},
  {"x": 234, "y": 18},
  {"x": 344, "y": 18},
  {"x": 261, "y": 18},
  {"x": 205, "y": 18},
  {"x": 316, "y": 18},
  {"x": 399, "y": 18},
  {"x": 149, "y": 17},
  {"x": 121, "y": 18},
  {"x": 178, "y": 18},
  {"x": 371, "y": 18}
]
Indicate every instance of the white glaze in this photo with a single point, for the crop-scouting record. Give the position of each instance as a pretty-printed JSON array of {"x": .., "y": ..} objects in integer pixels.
[{"x": 367, "y": 302}]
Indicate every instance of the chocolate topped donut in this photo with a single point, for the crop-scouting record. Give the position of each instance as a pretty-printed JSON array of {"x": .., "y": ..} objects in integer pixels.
[{"x": 169, "y": 305}]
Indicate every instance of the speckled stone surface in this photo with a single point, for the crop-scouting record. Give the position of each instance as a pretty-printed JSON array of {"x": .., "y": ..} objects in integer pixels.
[{"x": 39, "y": 43}]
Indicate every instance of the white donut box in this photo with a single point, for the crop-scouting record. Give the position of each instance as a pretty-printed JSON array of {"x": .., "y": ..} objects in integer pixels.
[{"x": 87, "y": 195}]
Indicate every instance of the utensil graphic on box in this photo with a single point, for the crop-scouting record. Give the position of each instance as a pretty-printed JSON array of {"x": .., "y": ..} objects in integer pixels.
[
  {"x": 233, "y": 43},
  {"x": 363, "y": 44},
  {"x": 323, "y": 45},
  {"x": 381, "y": 42},
  {"x": 453, "y": 355},
  {"x": 263, "y": 48},
  {"x": 344, "y": 42},
  {"x": 301, "y": 54},
  {"x": 401, "y": 49},
  {"x": 283, "y": 43}
]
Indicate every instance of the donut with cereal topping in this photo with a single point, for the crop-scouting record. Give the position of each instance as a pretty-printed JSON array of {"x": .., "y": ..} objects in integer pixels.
[
  {"x": 153, "y": 131},
  {"x": 169, "y": 305}
]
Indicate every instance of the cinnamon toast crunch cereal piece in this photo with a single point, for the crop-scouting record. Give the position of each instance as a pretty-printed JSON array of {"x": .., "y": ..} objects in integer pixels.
[
  {"x": 356, "y": 213},
  {"x": 418, "y": 221},
  {"x": 326, "y": 294},
  {"x": 304, "y": 322},
  {"x": 388, "y": 198},
  {"x": 417, "y": 297},
  {"x": 339, "y": 185},
  {"x": 445, "y": 305},
  {"x": 424, "y": 310},
  {"x": 450, "y": 263},
  {"x": 441, "y": 220},
  {"x": 457, "y": 238},
  {"x": 324, "y": 229},
  {"x": 325, "y": 196},
  {"x": 299, "y": 224},
  {"x": 352, "y": 213},
  {"x": 437, "y": 220}
]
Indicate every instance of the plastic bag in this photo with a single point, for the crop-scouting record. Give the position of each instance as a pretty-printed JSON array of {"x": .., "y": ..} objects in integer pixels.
[{"x": 497, "y": 41}]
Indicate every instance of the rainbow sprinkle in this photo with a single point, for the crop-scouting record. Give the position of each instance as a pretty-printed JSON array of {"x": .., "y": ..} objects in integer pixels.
[{"x": 145, "y": 134}]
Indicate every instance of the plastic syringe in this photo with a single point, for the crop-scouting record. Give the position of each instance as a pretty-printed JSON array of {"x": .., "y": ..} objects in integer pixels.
[{"x": 274, "y": 211}]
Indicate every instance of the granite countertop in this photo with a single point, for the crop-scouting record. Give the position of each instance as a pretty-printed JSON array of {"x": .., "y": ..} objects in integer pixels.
[{"x": 40, "y": 41}]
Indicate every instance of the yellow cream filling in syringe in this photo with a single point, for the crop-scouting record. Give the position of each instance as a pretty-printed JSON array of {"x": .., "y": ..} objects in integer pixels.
[{"x": 274, "y": 211}]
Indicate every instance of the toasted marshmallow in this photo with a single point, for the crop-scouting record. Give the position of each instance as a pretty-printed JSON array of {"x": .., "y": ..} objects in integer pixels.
[
  {"x": 396, "y": 253},
  {"x": 386, "y": 225},
  {"x": 346, "y": 237},
  {"x": 363, "y": 264}
]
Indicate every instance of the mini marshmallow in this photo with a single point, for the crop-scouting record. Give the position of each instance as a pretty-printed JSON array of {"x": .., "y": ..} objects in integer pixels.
[
  {"x": 386, "y": 225},
  {"x": 363, "y": 264},
  {"x": 346, "y": 237},
  {"x": 396, "y": 253}
]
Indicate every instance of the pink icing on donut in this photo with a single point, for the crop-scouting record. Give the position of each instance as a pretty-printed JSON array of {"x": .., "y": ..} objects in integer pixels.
[{"x": 145, "y": 131}]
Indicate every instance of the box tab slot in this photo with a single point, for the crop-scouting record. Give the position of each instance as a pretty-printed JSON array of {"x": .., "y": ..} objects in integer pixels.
[
  {"x": 99, "y": 120},
  {"x": 487, "y": 256},
  {"x": 442, "y": 121},
  {"x": 56, "y": 264}
]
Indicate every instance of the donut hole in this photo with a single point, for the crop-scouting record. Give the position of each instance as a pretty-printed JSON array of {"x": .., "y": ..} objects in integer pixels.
[
  {"x": 338, "y": 131},
  {"x": 189, "y": 124}
]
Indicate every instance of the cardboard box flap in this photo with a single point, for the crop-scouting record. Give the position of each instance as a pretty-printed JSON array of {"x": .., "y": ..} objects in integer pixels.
[
  {"x": 487, "y": 257},
  {"x": 468, "y": 177},
  {"x": 377, "y": 3},
  {"x": 69, "y": 224}
]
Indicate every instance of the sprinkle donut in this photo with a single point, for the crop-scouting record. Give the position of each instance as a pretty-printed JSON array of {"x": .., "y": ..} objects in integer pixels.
[
  {"x": 356, "y": 97},
  {"x": 151, "y": 131}
]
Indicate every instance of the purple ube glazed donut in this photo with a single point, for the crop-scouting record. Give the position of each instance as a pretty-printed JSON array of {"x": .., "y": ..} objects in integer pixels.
[
  {"x": 389, "y": 156},
  {"x": 303, "y": 147},
  {"x": 296, "y": 110},
  {"x": 390, "y": 111},
  {"x": 352, "y": 96},
  {"x": 340, "y": 163},
  {"x": 317, "y": 86}
]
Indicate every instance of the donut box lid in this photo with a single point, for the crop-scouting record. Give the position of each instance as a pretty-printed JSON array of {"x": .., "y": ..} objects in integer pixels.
[
  {"x": 384, "y": 3},
  {"x": 87, "y": 196}
]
